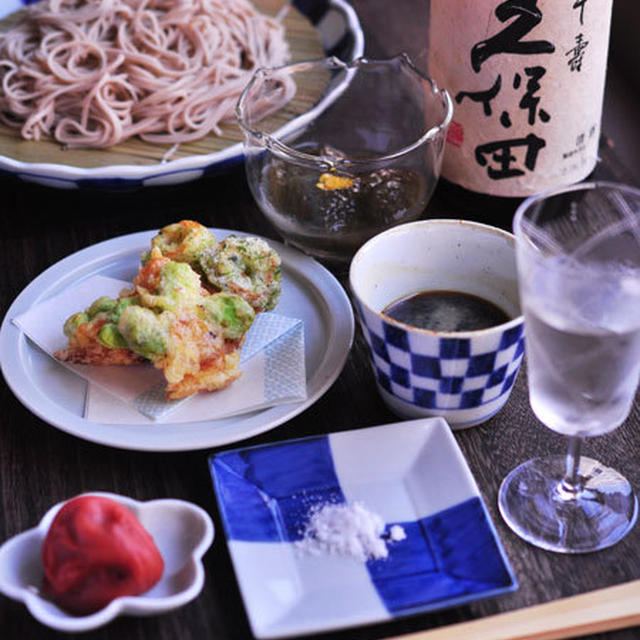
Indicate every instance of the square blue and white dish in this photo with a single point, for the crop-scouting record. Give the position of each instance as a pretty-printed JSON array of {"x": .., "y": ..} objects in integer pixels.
[{"x": 411, "y": 474}]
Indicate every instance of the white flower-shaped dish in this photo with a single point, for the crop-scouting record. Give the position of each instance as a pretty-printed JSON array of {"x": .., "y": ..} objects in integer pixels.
[{"x": 182, "y": 532}]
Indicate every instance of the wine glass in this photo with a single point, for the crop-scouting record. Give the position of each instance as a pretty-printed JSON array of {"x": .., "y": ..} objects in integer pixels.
[{"x": 578, "y": 257}]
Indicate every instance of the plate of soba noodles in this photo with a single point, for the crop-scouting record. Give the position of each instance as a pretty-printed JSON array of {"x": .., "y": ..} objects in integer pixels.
[{"x": 130, "y": 93}]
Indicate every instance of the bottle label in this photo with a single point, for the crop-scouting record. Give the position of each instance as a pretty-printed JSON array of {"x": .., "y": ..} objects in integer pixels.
[{"x": 527, "y": 81}]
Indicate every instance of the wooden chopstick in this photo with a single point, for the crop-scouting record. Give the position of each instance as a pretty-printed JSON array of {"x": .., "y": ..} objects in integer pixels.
[{"x": 592, "y": 612}]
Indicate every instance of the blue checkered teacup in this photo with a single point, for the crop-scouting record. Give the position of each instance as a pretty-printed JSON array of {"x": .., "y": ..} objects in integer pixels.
[{"x": 465, "y": 377}]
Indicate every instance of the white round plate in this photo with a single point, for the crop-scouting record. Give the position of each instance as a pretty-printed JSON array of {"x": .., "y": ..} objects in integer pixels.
[
  {"x": 55, "y": 394},
  {"x": 341, "y": 35}
]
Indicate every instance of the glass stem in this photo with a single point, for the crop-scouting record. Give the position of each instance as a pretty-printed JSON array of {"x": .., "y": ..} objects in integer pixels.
[{"x": 570, "y": 485}]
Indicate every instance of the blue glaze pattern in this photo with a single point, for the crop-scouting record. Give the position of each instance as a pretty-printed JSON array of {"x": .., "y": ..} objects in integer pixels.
[
  {"x": 448, "y": 557},
  {"x": 265, "y": 493},
  {"x": 452, "y": 553},
  {"x": 455, "y": 376}
]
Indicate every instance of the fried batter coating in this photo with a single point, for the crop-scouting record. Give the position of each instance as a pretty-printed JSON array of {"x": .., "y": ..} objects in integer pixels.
[
  {"x": 94, "y": 337},
  {"x": 166, "y": 285},
  {"x": 218, "y": 375},
  {"x": 198, "y": 359},
  {"x": 193, "y": 336},
  {"x": 96, "y": 354},
  {"x": 246, "y": 266},
  {"x": 183, "y": 241}
]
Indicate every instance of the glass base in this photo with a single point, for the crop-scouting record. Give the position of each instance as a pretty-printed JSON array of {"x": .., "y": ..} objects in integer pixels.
[{"x": 541, "y": 509}]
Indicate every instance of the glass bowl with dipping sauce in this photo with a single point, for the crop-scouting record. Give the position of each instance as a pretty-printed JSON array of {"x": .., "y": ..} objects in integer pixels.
[{"x": 335, "y": 153}]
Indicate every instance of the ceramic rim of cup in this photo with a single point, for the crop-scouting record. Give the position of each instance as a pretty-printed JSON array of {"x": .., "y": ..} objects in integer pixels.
[{"x": 425, "y": 223}]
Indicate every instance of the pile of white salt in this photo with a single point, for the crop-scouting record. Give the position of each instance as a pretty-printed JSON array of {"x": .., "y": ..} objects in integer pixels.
[{"x": 349, "y": 530}]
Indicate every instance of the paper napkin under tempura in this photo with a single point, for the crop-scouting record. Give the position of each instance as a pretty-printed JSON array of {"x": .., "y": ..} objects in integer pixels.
[{"x": 272, "y": 363}]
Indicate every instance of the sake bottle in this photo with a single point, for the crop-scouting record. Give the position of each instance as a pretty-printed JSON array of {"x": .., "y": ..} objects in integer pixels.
[{"x": 527, "y": 80}]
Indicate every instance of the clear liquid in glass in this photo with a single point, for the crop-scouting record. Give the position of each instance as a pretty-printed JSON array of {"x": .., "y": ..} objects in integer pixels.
[
  {"x": 584, "y": 367},
  {"x": 582, "y": 381}
]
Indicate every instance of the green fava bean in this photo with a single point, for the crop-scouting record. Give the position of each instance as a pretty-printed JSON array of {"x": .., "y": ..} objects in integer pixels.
[
  {"x": 73, "y": 322},
  {"x": 231, "y": 313},
  {"x": 110, "y": 337},
  {"x": 104, "y": 304},
  {"x": 144, "y": 332},
  {"x": 123, "y": 303}
]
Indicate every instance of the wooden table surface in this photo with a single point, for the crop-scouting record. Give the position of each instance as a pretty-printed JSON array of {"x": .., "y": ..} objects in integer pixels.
[{"x": 40, "y": 465}]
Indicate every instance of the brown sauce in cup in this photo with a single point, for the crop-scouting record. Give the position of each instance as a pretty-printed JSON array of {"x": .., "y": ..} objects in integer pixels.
[{"x": 446, "y": 311}]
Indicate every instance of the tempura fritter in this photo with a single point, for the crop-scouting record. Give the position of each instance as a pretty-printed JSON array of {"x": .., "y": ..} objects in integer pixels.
[{"x": 173, "y": 316}]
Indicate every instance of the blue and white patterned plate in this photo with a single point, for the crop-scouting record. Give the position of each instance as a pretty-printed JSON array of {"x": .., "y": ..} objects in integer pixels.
[
  {"x": 341, "y": 35},
  {"x": 411, "y": 473}
]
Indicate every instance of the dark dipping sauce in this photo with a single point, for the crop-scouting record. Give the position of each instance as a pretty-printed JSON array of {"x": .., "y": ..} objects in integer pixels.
[
  {"x": 446, "y": 311},
  {"x": 340, "y": 220}
]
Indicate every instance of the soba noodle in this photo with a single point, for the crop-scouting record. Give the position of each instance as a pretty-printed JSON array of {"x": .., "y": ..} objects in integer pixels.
[{"x": 92, "y": 73}]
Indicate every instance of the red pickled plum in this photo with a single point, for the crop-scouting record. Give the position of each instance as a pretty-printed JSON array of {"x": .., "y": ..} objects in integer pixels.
[{"x": 96, "y": 550}]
